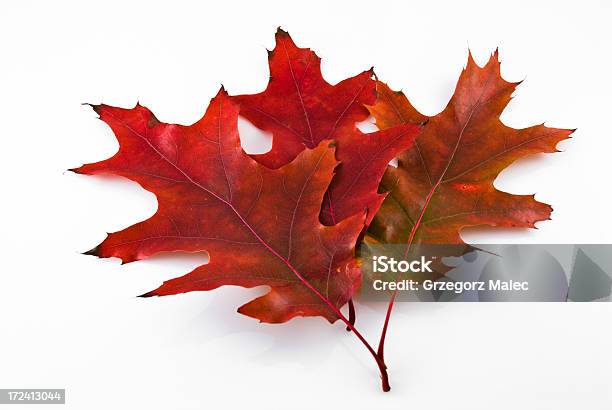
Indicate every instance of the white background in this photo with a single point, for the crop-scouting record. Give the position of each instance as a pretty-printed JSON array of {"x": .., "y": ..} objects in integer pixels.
[{"x": 72, "y": 321}]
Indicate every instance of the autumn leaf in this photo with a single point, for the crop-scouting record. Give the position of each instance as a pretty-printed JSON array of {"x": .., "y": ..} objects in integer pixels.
[
  {"x": 444, "y": 183},
  {"x": 290, "y": 219},
  {"x": 301, "y": 109},
  {"x": 260, "y": 226}
]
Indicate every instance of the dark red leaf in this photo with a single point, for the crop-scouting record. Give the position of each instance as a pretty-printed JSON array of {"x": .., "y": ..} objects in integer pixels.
[{"x": 301, "y": 109}]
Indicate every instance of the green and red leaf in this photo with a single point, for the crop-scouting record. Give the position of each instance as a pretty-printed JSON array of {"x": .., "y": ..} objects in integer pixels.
[{"x": 444, "y": 183}]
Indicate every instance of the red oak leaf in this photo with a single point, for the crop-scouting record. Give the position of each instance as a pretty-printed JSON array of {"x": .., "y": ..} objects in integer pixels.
[
  {"x": 301, "y": 109},
  {"x": 445, "y": 181},
  {"x": 260, "y": 226}
]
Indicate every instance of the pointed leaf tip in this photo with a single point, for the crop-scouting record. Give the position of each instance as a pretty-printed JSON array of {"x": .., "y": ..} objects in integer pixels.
[{"x": 92, "y": 252}]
